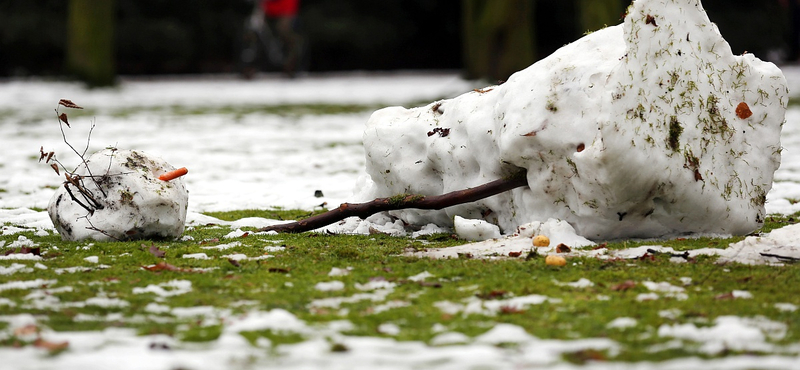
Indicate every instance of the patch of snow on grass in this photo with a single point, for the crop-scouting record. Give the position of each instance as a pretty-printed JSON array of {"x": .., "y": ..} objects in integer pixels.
[
  {"x": 729, "y": 333},
  {"x": 168, "y": 289},
  {"x": 329, "y": 286},
  {"x": 448, "y": 338},
  {"x": 672, "y": 314},
  {"x": 153, "y": 307},
  {"x": 647, "y": 297},
  {"x": 474, "y": 305},
  {"x": 238, "y": 233},
  {"x": 277, "y": 248},
  {"x": 244, "y": 257},
  {"x": 335, "y": 271},
  {"x": 107, "y": 302},
  {"x": 667, "y": 289},
  {"x": 335, "y": 302},
  {"x": 786, "y": 307},
  {"x": 15, "y": 267},
  {"x": 22, "y": 257},
  {"x": 742, "y": 294},
  {"x": 276, "y": 319},
  {"x": 622, "y": 323},
  {"x": 421, "y": 276},
  {"x": 581, "y": 283},
  {"x": 26, "y": 284},
  {"x": 376, "y": 284},
  {"x": 389, "y": 329},
  {"x": 198, "y": 256},
  {"x": 221, "y": 247},
  {"x": 388, "y": 306}
]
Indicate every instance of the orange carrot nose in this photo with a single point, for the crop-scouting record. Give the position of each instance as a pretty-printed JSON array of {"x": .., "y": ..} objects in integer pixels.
[{"x": 174, "y": 174}]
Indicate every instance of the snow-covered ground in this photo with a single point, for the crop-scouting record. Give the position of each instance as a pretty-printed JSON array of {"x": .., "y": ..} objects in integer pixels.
[
  {"x": 235, "y": 161},
  {"x": 261, "y": 160},
  {"x": 252, "y": 160}
]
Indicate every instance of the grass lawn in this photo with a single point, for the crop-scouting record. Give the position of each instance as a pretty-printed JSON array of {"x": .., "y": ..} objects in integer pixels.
[{"x": 367, "y": 280}]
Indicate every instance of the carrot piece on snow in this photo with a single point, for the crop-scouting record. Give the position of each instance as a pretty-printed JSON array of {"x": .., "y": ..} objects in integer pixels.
[{"x": 174, "y": 174}]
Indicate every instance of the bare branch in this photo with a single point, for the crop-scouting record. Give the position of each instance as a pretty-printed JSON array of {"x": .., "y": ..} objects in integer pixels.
[
  {"x": 70, "y": 104},
  {"x": 403, "y": 201}
]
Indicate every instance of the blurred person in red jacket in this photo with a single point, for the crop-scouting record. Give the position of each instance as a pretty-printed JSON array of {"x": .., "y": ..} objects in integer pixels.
[{"x": 282, "y": 17}]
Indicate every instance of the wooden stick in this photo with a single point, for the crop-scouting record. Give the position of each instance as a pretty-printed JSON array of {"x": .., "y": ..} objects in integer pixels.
[{"x": 402, "y": 201}]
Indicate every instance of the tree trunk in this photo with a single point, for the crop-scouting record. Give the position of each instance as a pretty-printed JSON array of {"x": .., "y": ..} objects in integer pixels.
[
  {"x": 498, "y": 37},
  {"x": 90, "y": 41},
  {"x": 598, "y": 14}
]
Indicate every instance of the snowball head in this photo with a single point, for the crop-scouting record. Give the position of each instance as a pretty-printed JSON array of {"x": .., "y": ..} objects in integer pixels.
[
  {"x": 120, "y": 197},
  {"x": 631, "y": 131}
]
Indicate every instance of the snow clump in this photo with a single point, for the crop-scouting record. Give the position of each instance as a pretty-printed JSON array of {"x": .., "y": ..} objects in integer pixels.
[
  {"x": 127, "y": 199},
  {"x": 646, "y": 129}
]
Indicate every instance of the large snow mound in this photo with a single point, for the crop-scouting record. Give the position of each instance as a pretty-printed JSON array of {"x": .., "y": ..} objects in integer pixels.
[{"x": 646, "y": 129}]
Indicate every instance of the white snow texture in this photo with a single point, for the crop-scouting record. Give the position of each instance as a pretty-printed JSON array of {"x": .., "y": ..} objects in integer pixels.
[
  {"x": 631, "y": 131},
  {"x": 134, "y": 203}
]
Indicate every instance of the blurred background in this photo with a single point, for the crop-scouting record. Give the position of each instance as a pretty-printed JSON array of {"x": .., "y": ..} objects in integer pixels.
[{"x": 97, "y": 40}]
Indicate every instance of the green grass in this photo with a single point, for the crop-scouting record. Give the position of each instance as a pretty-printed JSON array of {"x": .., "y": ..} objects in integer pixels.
[
  {"x": 287, "y": 281},
  {"x": 275, "y": 213}
]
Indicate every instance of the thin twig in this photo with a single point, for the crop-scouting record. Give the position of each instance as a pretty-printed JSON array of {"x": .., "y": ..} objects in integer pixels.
[
  {"x": 81, "y": 156},
  {"x": 89, "y": 137},
  {"x": 684, "y": 255},
  {"x": 89, "y": 209},
  {"x": 87, "y": 195},
  {"x": 92, "y": 227}
]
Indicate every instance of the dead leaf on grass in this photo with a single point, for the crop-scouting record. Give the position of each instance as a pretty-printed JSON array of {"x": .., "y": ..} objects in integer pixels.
[
  {"x": 494, "y": 294},
  {"x": 510, "y": 310},
  {"x": 36, "y": 251},
  {"x": 50, "y": 346},
  {"x": 153, "y": 249},
  {"x": 585, "y": 355},
  {"x": 234, "y": 262},
  {"x": 162, "y": 266},
  {"x": 26, "y": 330},
  {"x": 725, "y": 296},
  {"x": 647, "y": 257},
  {"x": 627, "y": 284}
]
